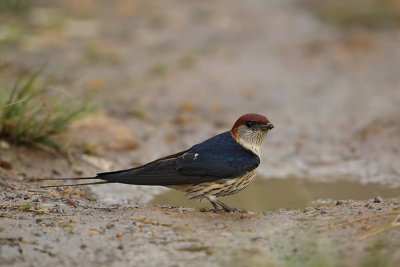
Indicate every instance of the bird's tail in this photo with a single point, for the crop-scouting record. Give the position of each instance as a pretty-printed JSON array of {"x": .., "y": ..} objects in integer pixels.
[{"x": 71, "y": 179}]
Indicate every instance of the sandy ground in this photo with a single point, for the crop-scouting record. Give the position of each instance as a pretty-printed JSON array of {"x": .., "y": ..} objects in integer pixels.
[
  {"x": 168, "y": 75},
  {"x": 64, "y": 228}
]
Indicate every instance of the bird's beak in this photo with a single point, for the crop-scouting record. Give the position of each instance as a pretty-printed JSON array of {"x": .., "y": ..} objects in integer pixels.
[{"x": 267, "y": 126}]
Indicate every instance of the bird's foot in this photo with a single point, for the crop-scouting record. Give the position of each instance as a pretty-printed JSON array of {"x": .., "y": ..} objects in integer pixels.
[
  {"x": 218, "y": 210},
  {"x": 180, "y": 209},
  {"x": 229, "y": 209},
  {"x": 215, "y": 210},
  {"x": 215, "y": 202},
  {"x": 226, "y": 207}
]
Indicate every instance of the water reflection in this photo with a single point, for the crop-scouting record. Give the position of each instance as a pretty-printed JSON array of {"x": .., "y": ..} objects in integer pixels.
[{"x": 291, "y": 193}]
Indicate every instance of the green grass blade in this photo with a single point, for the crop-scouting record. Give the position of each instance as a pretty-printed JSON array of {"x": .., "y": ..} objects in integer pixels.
[{"x": 29, "y": 116}]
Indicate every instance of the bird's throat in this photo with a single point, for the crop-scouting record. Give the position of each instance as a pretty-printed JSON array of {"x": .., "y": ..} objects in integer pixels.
[{"x": 253, "y": 147}]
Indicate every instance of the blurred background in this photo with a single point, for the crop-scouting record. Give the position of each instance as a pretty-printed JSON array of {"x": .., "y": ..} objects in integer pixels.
[{"x": 164, "y": 75}]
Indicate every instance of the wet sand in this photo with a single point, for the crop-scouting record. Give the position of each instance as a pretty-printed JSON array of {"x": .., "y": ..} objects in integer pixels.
[
  {"x": 64, "y": 228},
  {"x": 289, "y": 193}
]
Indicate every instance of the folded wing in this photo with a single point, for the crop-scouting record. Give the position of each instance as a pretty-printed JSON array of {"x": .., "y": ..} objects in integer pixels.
[{"x": 209, "y": 161}]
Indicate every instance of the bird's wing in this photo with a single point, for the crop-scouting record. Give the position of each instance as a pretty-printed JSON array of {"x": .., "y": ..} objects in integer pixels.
[
  {"x": 216, "y": 166},
  {"x": 157, "y": 172},
  {"x": 220, "y": 157},
  {"x": 187, "y": 168}
]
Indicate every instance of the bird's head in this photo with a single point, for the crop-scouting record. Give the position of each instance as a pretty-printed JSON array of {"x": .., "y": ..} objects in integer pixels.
[{"x": 250, "y": 129}]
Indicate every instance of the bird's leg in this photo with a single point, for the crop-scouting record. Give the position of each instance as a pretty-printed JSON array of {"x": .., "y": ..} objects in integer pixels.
[
  {"x": 225, "y": 207},
  {"x": 215, "y": 202},
  {"x": 216, "y": 209}
]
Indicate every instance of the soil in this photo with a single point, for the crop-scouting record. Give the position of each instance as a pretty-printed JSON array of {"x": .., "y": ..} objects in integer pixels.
[
  {"x": 65, "y": 227},
  {"x": 166, "y": 76}
]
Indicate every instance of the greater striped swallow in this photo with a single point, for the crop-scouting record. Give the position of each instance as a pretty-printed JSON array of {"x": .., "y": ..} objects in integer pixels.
[{"x": 222, "y": 165}]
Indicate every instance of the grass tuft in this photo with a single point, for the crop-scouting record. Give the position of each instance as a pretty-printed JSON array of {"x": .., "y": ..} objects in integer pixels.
[
  {"x": 366, "y": 13},
  {"x": 29, "y": 116},
  {"x": 14, "y": 5}
]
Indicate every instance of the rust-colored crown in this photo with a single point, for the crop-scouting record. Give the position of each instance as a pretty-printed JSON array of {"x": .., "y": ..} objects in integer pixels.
[{"x": 247, "y": 117}]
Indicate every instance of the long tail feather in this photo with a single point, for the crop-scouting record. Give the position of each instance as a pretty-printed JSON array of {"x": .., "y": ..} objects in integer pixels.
[
  {"x": 68, "y": 178},
  {"x": 63, "y": 185}
]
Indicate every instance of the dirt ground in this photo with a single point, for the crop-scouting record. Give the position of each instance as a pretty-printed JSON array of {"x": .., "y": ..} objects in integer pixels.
[
  {"x": 166, "y": 75},
  {"x": 66, "y": 227}
]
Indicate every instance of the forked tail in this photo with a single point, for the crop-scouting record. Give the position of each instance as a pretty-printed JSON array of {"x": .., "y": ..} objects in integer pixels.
[{"x": 71, "y": 179}]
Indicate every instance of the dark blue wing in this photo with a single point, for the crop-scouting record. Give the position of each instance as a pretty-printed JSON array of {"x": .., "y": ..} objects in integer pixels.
[{"x": 219, "y": 157}]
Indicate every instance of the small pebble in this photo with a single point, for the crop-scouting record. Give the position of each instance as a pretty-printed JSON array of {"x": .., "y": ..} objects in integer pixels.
[
  {"x": 308, "y": 209},
  {"x": 110, "y": 225},
  {"x": 377, "y": 200},
  {"x": 71, "y": 202},
  {"x": 4, "y": 145},
  {"x": 5, "y": 164},
  {"x": 366, "y": 226},
  {"x": 339, "y": 202}
]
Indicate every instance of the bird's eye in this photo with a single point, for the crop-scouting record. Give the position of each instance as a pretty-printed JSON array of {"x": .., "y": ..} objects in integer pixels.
[{"x": 249, "y": 124}]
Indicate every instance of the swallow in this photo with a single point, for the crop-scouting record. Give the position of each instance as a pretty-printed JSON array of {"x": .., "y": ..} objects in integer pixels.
[{"x": 220, "y": 166}]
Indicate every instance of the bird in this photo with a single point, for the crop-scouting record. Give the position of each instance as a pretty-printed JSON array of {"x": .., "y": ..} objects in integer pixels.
[{"x": 219, "y": 166}]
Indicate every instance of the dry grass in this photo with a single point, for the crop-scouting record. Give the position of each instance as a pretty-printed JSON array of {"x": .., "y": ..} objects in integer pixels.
[
  {"x": 28, "y": 115},
  {"x": 369, "y": 13}
]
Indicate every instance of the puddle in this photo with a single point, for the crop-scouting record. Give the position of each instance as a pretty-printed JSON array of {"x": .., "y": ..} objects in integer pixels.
[{"x": 291, "y": 193}]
